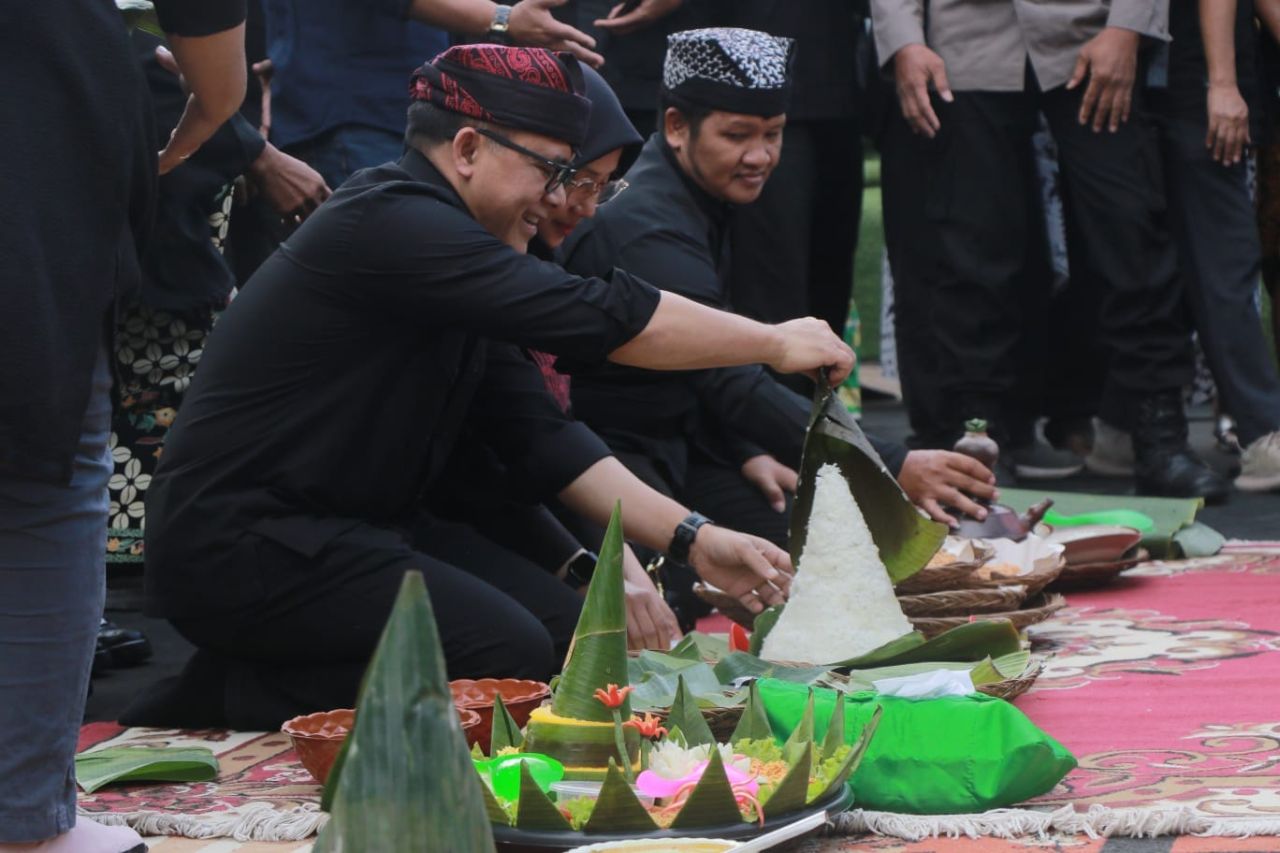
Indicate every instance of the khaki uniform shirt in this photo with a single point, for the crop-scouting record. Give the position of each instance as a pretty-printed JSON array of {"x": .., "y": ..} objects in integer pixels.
[{"x": 986, "y": 43}]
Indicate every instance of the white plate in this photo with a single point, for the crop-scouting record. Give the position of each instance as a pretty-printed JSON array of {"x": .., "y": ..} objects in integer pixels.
[{"x": 1094, "y": 543}]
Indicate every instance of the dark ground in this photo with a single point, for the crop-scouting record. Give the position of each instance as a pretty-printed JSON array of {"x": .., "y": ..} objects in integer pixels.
[{"x": 1245, "y": 516}]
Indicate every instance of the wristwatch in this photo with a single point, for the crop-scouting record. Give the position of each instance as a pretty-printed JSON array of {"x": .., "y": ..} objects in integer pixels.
[
  {"x": 501, "y": 23},
  {"x": 580, "y": 567},
  {"x": 682, "y": 539}
]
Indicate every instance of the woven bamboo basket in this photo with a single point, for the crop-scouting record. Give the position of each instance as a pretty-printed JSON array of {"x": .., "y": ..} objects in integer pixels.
[
  {"x": 1036, "y": 610},
  {"x": 1034, "y": 581},
  {"x": 938, "y": 578},
  {"x": 722, "y": 721},
  {"x": 1012, "y": 688},
  {"x": 1084, "y": 575},
  {"x": 964, "y": 602}
]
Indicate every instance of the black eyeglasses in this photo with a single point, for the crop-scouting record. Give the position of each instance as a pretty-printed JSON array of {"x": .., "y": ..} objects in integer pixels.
[
  {"x": 602, "y": 190},
  {"x": 558, "y": 172}
]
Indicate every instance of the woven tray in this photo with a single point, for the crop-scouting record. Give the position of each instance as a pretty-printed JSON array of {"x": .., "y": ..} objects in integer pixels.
[
  {"x": 950, "y": 576},
  {"x": 722, "y": 721},
  {"x": 1012, "y": 688},
  {"x": 1095, "y": 574},
  {"x": 964, "y": 602},
  {"x": 1036, "y": 610},
  {"x": 1034, "y": 581}
]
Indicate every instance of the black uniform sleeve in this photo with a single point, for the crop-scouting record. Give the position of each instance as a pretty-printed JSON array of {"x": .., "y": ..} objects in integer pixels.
[
  {"x": 199, "y": 17},
  {"x": 462, "y": 276},
  {"x": 670, "y": 259},
  {"x": 517, "y": 417}
]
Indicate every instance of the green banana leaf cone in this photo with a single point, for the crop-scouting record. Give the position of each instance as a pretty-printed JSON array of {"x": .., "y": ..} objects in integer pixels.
[{"x": 404, "y": 780}]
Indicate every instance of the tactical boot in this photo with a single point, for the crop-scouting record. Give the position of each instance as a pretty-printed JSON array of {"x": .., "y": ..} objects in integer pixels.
[{"x": 1164, "y": 464}]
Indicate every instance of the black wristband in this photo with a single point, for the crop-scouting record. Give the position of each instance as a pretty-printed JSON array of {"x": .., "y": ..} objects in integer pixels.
[
  {"x": 580, "y": 568},
  {"x": 682, "y": 539}
]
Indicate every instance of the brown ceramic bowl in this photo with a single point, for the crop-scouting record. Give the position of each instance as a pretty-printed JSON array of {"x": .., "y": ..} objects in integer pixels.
[
  {"x": 318, "y": 737},
  {"x": 520, "y": 697}
]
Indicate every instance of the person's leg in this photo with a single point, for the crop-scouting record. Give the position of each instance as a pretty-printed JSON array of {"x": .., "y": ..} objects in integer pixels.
[
  {"x": 307, "y": 646},
  {"x": 1220, "y": 257},
  {"x": 836, "y": 217},
  {"x": 51, "y": 595},
  {"x": 980, "y": 180},
  {"x": 1113, "y": 185}
]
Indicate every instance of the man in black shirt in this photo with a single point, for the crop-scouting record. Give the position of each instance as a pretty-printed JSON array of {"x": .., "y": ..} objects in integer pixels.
[
  {"x": 699, "y": 435},
  {"x": 1207, "y": 115},
  {"x": 285, "y": 509}
]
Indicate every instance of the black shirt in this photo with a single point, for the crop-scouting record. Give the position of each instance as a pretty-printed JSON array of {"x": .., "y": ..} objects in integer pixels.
[
  {"x": 199, "y": 17},
  {"x": 666, "y": 229},
  {"x": 333, "y": 389}
]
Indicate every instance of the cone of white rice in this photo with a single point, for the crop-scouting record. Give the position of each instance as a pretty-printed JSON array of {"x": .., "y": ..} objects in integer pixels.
[{"x": 842, "y": 603}]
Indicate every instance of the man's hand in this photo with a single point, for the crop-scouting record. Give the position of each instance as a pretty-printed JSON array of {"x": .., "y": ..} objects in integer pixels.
[
  {"x": 532, "y": 24},
  {"x": 1228, "y": 124},
  {"x": 631, "y": 16},
  {"x": 937, "y": 478},
  {"x": 752, "y": 570},
  {"x": 772, "y": 478},
  {"x": 1110, "y": 60},
  {"x": 293, "y": 188},
  {"x": 807, "y": 344},
  {"x": 915, "y": 68}
]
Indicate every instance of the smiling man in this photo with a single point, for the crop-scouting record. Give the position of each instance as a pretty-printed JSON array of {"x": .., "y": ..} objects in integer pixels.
[
  {"x": 286, "y": 508},
  {"x": 724, "y": 441}
]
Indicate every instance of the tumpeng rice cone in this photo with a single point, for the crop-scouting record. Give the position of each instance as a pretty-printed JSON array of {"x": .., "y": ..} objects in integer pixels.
[{"x": 577, "y": 728}]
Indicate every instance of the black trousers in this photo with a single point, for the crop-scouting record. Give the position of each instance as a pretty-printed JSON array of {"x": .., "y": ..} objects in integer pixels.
[
  {"x": 986, "y": 218},
  {"x": 1221, "y": 256},
  {"x": 305, "y": 648},
  {"x": 793, "y": 247}
]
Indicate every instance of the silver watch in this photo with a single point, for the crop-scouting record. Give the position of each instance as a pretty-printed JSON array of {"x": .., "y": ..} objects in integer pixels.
[{"x": 501, "y": 23}]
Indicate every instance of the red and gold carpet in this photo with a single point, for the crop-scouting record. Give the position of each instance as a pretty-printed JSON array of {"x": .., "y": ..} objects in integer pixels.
[{"x": 1165, "y": 685}]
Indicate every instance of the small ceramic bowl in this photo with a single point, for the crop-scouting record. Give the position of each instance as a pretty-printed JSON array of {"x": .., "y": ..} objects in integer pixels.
[
  {"x": 318, "y": 737},
  {"x": 520, "y": 698}
]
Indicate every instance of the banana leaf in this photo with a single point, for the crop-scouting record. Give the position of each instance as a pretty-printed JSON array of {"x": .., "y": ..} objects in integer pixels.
[
  {"x": 617, "y": 808},
  {"x": 712, "y": 802},
  {"x": 141, "y": 763},
  {"x": 491, "y": 807},
  {"x": 754, "y": 722},
  {"x": 972, "y": 641},
  {"x": 790, "y": 794},
  {"x": 905, "y": 538},
  {"x": 986, "y": 671},
  {"x": 598, "y": 654},
  {"x": 760, "y": 628},
  {"x": 405, "y": 781},
  {"x": 835, "y": 730},
  {"x": 699, "y": 646},
  {"x": 504, "y": 732},
  {"x": 654, "y": 676},
  {"x": 801, "y": 737},
  {"x": 745, "y": 665},
  {"x": 686, "y": 715},
  {"x": 535, "y": 811},
  {"x": 855, "y": 755}
]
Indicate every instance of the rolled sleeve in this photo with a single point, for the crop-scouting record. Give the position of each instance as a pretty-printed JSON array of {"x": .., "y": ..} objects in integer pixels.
[
  {"x": 1148, "y": 17},
  {"x": 896, "y": 24},
  {"x": 199, "y": 17}
]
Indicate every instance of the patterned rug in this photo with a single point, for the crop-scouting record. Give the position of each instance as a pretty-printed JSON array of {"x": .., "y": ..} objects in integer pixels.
[{"x": 1164, "y": 684}]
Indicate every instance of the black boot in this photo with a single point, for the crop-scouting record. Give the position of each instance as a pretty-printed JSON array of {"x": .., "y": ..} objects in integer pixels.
[{"x": 1164, "y": 465}]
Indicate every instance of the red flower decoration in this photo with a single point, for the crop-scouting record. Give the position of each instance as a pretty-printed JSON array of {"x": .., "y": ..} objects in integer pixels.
[
  {"x": 739, "y": 639},
  {"x": 648, "y": 727},
  {"x": 613, "y": 696}
]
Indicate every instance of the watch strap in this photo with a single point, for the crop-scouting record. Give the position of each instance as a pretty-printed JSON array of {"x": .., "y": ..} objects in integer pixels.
[
  {"x": 682, "y": 540},
  {"x": 501, "y": 23}
]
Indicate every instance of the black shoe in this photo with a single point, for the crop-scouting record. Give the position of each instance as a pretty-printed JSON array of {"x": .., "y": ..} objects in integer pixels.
[
  {"x": 1164, "y": 464},
  {"x": 1039, "y": 461},
  {"x": 102, "y": 660},
  {"x": 125, "y": 646}
]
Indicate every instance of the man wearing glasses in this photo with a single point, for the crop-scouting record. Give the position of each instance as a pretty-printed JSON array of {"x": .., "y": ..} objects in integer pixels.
[
  {"x": 725, "y": 441},
  {"x": 286, "y": 507}
]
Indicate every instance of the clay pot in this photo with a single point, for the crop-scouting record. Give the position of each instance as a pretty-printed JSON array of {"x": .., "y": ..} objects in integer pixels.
[
  {"x": 318, "y": 737},
  {"x": 520, "y": 697}
]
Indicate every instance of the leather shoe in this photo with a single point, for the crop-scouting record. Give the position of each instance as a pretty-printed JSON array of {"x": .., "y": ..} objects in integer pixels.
[
  {"x": 1164, "y": 464},
  {"x": 125, "y": 646}
]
